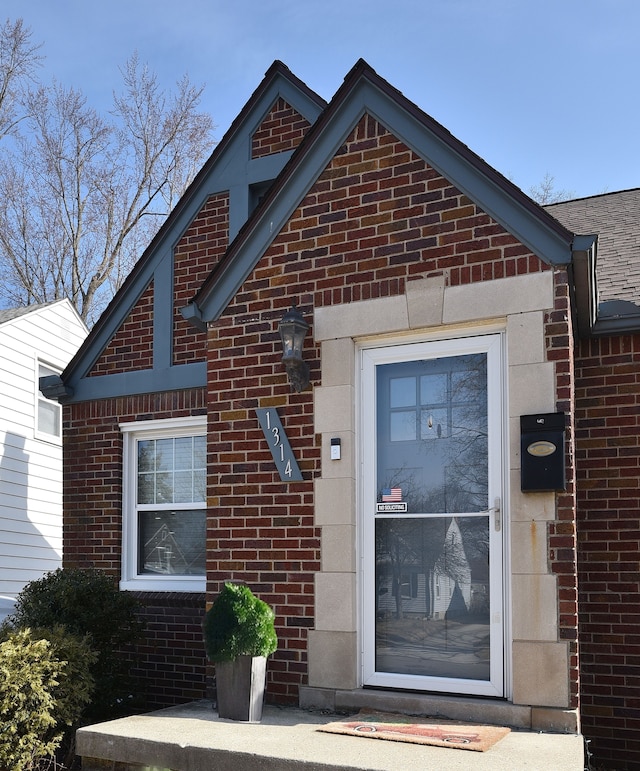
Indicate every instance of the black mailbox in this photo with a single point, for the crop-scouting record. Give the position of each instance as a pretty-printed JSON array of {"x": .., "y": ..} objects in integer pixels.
[{"x": 542, "y": 452}]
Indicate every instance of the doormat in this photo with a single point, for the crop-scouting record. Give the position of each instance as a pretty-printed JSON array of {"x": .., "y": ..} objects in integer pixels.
[{"x": 402, "y": 728}]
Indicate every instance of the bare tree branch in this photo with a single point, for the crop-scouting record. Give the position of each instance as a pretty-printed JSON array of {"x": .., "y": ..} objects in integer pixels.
[
  {"x": 81, "y": 194},
  {"x": 19, "y": 60},
  {"x": 546, "y": 192}
]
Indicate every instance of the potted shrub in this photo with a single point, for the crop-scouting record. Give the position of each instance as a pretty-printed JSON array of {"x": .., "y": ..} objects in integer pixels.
[{"x": 239, "y": 635}]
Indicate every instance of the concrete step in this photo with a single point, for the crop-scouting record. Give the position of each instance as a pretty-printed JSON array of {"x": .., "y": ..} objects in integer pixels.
[{"x": 193, "y": 738}]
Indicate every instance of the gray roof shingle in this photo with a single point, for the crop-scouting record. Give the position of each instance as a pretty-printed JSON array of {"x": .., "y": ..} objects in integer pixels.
[
  {"x": 615, "y": 218},
  {"x": 13, "y": 313}
]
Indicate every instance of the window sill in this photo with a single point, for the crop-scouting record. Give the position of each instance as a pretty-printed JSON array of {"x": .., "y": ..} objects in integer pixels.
[{"x": 175, "y": 584}]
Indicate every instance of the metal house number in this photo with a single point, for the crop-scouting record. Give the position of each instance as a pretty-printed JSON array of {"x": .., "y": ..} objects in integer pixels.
[{"x": 278, "y": 444}]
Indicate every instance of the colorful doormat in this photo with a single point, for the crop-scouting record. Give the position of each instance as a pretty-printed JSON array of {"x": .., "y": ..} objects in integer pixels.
[{"x": 402, "y": 728}]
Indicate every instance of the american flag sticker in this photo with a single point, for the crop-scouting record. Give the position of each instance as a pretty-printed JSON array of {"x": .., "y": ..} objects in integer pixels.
[{"x": 391, "y": 494}]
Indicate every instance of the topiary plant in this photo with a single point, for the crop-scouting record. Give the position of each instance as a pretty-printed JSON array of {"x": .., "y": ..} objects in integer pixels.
[{"x": 239, "y": 624}]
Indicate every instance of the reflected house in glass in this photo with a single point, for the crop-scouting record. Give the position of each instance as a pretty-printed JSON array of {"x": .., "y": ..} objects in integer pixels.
[
  {"x": 165, "y": 553},
  {"x": 162, "y": 553},
  {"x": 443, "y": 304},
  {"x": 405, "y": 589}
]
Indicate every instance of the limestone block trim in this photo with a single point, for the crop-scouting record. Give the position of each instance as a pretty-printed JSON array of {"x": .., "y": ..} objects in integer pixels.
[
  {"x": 338, "y": 549},
  {"x": 541, "y": 674},
  {"x": 334, "y": 408},
  {"x": 429, "y": 303},
  {"x": 430, "y": 310},
  {"x": 333, "y": 660},
  {"x": 529, "y": 553},
  {"x": 335, "y": 499},
  {"x": 338, "y": 361},
  {"x": 535, "y": 606},
  {"x": 336, "y": 602},
  {"x": 506, "y": 296}
]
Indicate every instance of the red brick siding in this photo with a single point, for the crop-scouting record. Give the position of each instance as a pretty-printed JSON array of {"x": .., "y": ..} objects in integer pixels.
[
  {"x": 281, "y": 130},
  {"x": 608, "y": 463},
  {"x": 172, "y": 654},
  {"x": 377, "y": 217},
  {"x": 171, "y": 660},
  {"x": 562, "y": 536},
  {"x": 131, "y": 348},
  {"x": 195, "y": 255},
  {"x": 260, "y": 530}
]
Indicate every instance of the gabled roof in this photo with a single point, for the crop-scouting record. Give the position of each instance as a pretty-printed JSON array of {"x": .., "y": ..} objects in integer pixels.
[
  {"x": 229, "y": 163},
  {"x": 615, "y": 218},
  {"x": 364, "y": 91},
  {"x": 11, "y": 314},
  {"x": 230, "y": 168}
]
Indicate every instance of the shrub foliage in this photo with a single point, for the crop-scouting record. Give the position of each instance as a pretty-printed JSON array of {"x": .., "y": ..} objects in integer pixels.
[
  {"x": 239, "y": 624},
  {"x": 88, "y": 604},
  {"x": 29, "y": 673}
]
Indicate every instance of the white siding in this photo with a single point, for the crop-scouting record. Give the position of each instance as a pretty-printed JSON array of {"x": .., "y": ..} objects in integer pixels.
[{"x": 31, "y": 466}]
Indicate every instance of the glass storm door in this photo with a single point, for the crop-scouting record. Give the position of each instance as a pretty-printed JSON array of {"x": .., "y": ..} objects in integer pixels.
[{"x": 432, "y": 541}]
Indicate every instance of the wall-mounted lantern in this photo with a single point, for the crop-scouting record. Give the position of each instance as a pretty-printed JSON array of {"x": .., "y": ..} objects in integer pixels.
[{"x": 293, "y": 329}]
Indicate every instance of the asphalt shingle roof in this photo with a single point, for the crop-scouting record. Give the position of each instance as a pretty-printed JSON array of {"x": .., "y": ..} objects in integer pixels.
[
  {"x": 615, "y": 217},
  {"x": 14, "y": 313}
]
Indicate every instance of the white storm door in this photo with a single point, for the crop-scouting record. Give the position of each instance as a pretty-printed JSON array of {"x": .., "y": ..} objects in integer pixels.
[{"x": 431, "y": 489}]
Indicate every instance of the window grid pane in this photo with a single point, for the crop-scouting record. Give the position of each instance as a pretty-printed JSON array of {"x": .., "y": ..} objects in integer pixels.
[
  {"x": 171, "y": 514},
  {"x": 171, "y": 470}
]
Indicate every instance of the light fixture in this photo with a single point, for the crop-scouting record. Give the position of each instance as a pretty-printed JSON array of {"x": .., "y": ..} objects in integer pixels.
[{"x": 293, "y": 328}]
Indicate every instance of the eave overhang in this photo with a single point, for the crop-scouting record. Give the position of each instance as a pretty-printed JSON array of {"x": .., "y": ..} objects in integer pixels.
[
  {"x": 596, "y": 318},
  {"x": 54, "y": 388},
  {"x": 583, "y": 271}
]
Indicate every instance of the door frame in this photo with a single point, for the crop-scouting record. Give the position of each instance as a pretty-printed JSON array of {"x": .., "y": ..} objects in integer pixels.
[{"x": 371, "y": 355}]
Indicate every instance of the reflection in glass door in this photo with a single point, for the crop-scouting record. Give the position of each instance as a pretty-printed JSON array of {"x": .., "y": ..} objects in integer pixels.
[{"x": 432, "y": 538}]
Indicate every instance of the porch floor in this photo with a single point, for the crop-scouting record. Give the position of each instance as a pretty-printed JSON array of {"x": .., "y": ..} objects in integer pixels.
[{"x": 192, "y": 737}]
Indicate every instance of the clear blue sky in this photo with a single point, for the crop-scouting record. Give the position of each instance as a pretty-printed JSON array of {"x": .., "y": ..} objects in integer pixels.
[{"x": 532, "y": 86}]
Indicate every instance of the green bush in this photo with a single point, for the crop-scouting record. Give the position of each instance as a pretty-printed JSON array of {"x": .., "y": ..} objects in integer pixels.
[
  {"x": 239, "y": 624},
  {"x": 75, "y": 688},
  {"x": 45, "y": 684},
  {"x": 29, "y": 673},
  {"x": 88, "y": 603}
]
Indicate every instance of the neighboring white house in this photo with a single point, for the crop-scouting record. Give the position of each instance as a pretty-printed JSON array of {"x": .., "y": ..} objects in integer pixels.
[
  {"x": 444, "y": 589},
  {"x": 36, "y": 341}
]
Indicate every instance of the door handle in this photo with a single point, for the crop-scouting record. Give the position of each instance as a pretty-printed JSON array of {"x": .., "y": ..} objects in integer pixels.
[{"x": 495, "y": 509}]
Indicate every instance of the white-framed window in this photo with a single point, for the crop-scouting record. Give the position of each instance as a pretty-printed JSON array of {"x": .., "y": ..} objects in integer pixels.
[
  {"x": 48, "y": 424},
  {"x": 164, "y": 505}
]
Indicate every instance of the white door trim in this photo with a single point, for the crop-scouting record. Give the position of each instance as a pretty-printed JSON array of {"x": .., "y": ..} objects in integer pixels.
[{"x": 369, "y": 358}]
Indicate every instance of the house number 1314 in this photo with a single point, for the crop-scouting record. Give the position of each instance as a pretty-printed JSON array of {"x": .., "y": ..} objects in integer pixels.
[{"x": 278, "y": 444}]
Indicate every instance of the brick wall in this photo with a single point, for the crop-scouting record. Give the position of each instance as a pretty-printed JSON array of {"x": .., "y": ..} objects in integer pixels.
[
  {"x": 171, "y": 661},
  {"x": 261, "y": 529},
  {"x": 562, "y": 533},
  {"x": 195, "y": 255},
  {"x": 281, "y": 130},
  {"x": 608, "y": 464},
  {"x": 171, "y": 658},
  {"x": 377, "y": 217},
  {"x": 131, "y": 348}
]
